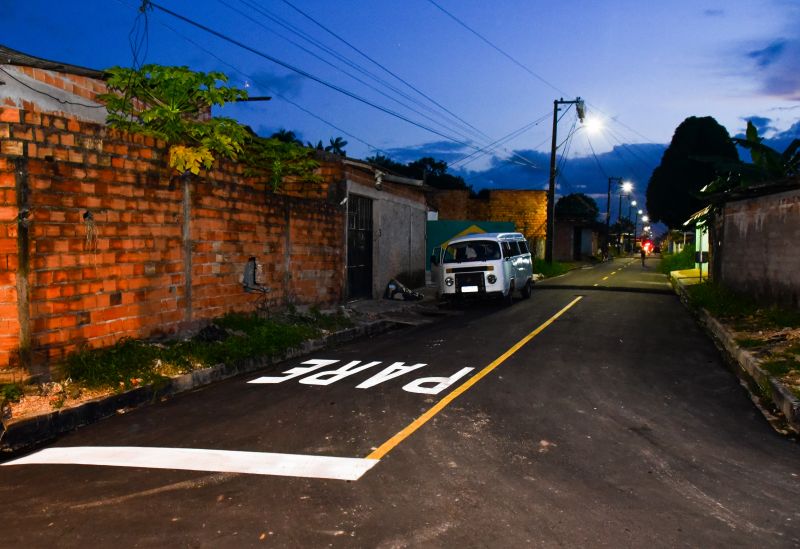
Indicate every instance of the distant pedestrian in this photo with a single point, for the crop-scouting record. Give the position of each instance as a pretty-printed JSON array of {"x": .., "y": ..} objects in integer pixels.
[{"x": 643, "y": 254}]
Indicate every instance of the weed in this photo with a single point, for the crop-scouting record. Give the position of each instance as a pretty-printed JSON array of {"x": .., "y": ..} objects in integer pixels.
[
  {"x": 676, "y": 262},
  {"x": 131, "y": 363},
  {"x": 550, "y": 270},
  {"x": 779, "y": 366},
  {"x": 750, "y": 343},
  {"x": 11, "y": 392}
]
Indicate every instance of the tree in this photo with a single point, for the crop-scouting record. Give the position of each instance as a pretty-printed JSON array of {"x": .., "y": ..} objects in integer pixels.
[
  {"x": 434, "y": 173},
  {"x": 673, "y": 193},
  {"x": 577, "y": 207},
  {"x": 337, "y": 146},
  {"x": 170, "y": 103},
  {"x": 286, "y": 136},
  {"x": 768, "y": 165}
]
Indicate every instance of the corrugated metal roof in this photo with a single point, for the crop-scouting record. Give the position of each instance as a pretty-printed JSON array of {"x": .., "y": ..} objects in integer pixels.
[{"x": 14, "y": 57}]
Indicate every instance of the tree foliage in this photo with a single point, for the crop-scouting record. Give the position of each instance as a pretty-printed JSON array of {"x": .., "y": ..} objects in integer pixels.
[
  {"x": 768, "y": 165},
  {"x": 673, "y": 193},
  {"x": 577, "y": 207},
  {"x": 432, "y": 171},
  {"x": 174, "y": 104},
  {"x": 336, "y": 146}
]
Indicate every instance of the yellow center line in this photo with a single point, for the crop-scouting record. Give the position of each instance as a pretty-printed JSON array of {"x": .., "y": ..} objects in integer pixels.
[
  {"x": 390, "y": 444},
  {"x": 613, "y": 273},
  {"x": 605, "y": 278}
]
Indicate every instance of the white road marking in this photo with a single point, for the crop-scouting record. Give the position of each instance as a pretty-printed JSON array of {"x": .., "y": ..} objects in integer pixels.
[{"x": 195, "y": 459}]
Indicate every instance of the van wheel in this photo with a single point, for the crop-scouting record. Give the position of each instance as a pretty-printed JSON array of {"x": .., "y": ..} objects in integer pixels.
[{"x": 526, "y": 290}]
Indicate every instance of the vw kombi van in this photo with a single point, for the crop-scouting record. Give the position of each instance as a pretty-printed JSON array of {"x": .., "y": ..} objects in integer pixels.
[{"x": 483, "y": 265}]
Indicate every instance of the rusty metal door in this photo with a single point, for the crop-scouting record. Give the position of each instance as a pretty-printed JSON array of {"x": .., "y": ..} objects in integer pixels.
[{"x": 359, "y": 247}]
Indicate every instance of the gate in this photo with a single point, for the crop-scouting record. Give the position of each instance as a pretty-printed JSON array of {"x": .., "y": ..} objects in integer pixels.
[{"x": 359, "y": 247}]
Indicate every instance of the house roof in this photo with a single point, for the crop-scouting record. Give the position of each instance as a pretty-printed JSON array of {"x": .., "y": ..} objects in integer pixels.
[
  {"x": 695, "y": 216},
  {"x": 14, "y": 57}
]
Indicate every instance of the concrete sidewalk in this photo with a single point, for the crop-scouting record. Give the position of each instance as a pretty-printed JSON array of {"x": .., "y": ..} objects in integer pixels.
[{"x": 777, "y": 403}]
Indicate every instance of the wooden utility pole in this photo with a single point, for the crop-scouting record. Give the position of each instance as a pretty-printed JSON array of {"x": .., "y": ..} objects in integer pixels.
[{"x": 551, "y": 189}]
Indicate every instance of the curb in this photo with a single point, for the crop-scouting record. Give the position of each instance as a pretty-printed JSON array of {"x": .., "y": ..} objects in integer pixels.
[
  {"x": 29, "y": 433},
  {"x": 768, "y": 388}
]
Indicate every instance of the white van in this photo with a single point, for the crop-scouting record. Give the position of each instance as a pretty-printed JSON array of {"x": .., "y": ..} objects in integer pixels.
[{"x": 482, "y": 265}]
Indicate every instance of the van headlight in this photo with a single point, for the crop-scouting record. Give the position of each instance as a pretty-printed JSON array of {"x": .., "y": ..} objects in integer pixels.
[
  {"x": 491, "y": 279},
  {"x": 448, "y": 281}
]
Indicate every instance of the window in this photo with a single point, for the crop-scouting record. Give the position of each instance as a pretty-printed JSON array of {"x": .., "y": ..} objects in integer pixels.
[
  {"x": 477, "y": 250},
  {"x": 510, "y": 249},
  {"x": 523, "y": 246}
]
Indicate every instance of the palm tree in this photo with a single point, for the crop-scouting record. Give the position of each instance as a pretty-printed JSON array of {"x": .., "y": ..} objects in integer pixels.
[
  {"x": 286, "y": 136},
  {"x": 337, "y": 146},
  {"x": 319, "y": 146}
]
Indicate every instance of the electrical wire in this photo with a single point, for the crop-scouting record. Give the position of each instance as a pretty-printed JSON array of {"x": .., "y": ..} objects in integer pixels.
[
  {"x": 494, "y": 145},
  {"x": 385, "y": 69},
  {"x": 323, "y": 60},
  {"x": 496, "y": 48},
  {"x": 340, "y": 57},
  {"x": 275, "y": 93},
  {"x": 308, "y": 75}
]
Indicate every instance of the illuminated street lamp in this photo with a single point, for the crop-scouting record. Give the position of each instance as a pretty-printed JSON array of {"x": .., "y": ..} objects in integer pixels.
[{"x": 626, "y": 187}]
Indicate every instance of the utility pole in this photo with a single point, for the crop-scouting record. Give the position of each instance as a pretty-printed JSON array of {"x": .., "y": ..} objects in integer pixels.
[
  {"x": 608, "y": 211},
  {"x": 551, "y": 189}
]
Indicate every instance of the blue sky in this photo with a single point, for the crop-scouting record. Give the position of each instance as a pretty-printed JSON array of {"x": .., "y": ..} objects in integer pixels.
[{"x": 642, "y": 67}]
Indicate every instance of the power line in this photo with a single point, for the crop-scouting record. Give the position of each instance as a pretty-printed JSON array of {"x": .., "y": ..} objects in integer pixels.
[
  {"x": 308, "y": 75},
  {"x": 388, "y": 71},
  {"x": 493, "y": 146},
  {"x": 342, "y": 59},
  {"x": 275, "y": 93},
  {"x": 496, "y": 48}
]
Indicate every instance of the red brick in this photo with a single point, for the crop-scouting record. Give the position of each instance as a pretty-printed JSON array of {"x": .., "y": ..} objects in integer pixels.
[{"x": 8, "y": 114}]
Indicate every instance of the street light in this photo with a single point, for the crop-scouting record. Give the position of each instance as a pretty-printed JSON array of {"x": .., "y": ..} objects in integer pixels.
[
  {"x": 626, "y": 187},
  {"x": 635, "y": 223}
]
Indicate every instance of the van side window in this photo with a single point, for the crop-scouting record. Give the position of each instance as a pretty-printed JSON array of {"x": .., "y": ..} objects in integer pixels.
[
  {"x": 523, "y": 247},
  {"x": 510, "y": 249}
]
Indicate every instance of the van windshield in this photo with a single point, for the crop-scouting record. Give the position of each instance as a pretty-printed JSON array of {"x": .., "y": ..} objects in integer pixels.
[{"x": 474, "y": 250}]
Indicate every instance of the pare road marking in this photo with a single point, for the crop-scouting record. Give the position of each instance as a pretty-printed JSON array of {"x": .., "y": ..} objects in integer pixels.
[
  {"x": 423, "y": 385},
  {"x": 291, "y": 465}
]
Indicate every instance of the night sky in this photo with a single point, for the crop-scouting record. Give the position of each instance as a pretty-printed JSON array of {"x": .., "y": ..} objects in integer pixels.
[{"x": 458, "y": 76}]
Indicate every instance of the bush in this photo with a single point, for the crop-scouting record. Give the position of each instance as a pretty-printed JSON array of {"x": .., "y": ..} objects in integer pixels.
[
  {"x": 231, "y": 338},
  {"x": 679, "y": 261},
  {"x": 550, "y": 270}
]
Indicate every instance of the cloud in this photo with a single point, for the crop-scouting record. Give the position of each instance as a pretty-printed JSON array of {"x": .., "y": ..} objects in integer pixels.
[
  {"x": 267, "y": 82},
  {"x": 714, "y": 13},
  {"x": 440, "y": 150},
  {"x": 579, "y": 174},
  {"x": 769, "y": 55},
  {"x": 761, "y": 123}
]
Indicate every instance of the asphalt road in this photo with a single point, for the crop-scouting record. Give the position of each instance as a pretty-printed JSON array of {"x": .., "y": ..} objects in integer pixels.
[{"x": 615, "y": 424}]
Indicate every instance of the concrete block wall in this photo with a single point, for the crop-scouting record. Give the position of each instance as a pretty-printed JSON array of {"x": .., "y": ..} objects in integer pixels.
[
  {"x": 117, "y": 245},
  {"x": 759, "y": 252}
]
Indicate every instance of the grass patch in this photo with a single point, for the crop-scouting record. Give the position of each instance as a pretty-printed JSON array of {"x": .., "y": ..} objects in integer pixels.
[
  {"x": 780, "y": 366},
  {"x": 749, "y": 343},
  {"x": 677, "y": 262},
  {"x": 231, "y": 338},
  {"x": 549, "y": 270},
  {"x": 11, "y": 392},
  {"x": 744, "y": 312}
]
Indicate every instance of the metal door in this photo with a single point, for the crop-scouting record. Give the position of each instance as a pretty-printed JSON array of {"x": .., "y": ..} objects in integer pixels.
[{"x": 359, "y": 247}]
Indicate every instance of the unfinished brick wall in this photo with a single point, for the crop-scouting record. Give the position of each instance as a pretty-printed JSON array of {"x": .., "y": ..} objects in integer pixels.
[
  {"x": 526, "y": 209},
  {"x": 119, "y": 246},
  {"x": 82, "y": 86},
  {"x": 759, "y": 253}
]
